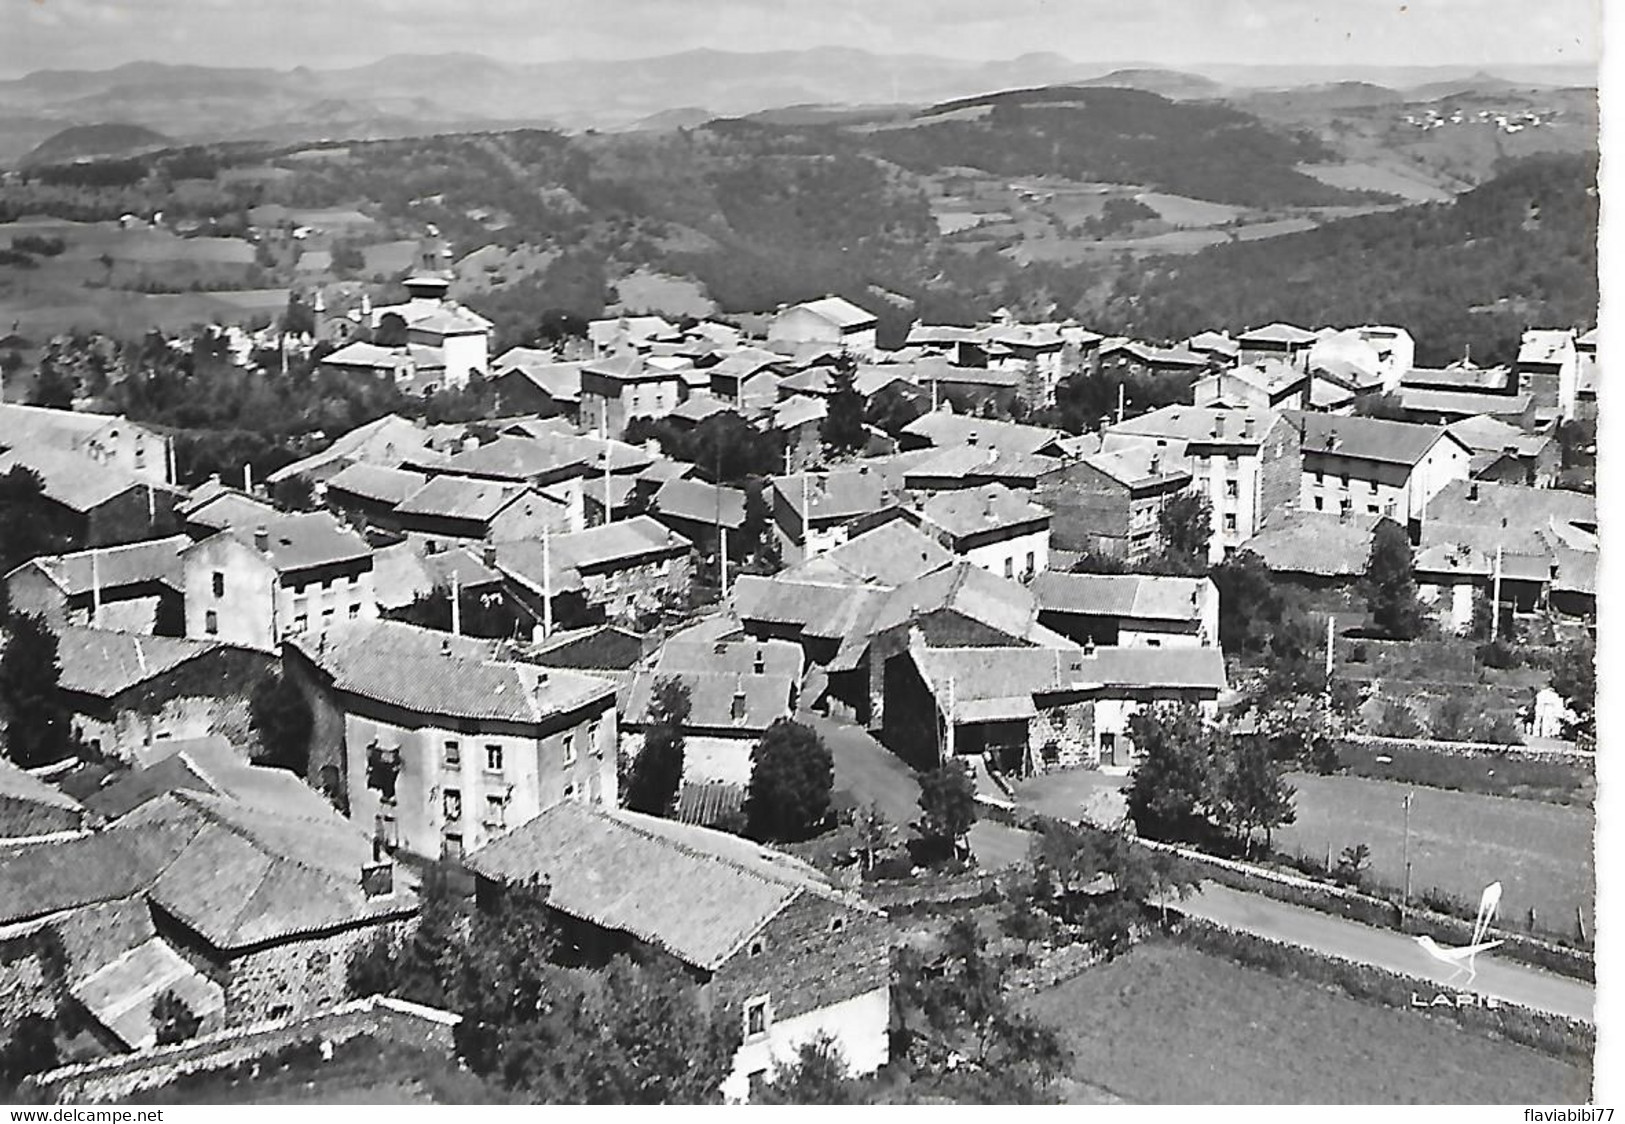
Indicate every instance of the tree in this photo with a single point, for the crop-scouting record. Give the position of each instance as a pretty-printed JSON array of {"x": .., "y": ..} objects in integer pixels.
[
  {"x": 1185, "y": 524},
  {"x": 817, "y": 1075},
  {"x": 282, "y": 719},
  {"x": 34, "y": 719},
  {"x": 947, "y": 806},
  {"x": 172, "y": 1020},
  {"x": 31, "y": 524},
  {"x": 1253, "y": 792},
  {"x": 657, "y": 772},
  {"x": 791, "y": 777},
  {"x": 1170, "y": 788},
  {"x": 391, "y": 331},
  {"x": 557, "y": 325},
  {"x": 1574, "y": 678},
  {"x": 1391, "y": 583},
  {"x": 53, "y": 387},
  {"x": 30, "y": 1049},
  {"x": 874, "y": 832},
  {"x": 895, "y": 406},
  {"x": 843, "y": 430},
  {"x": 419, "y": 967}
]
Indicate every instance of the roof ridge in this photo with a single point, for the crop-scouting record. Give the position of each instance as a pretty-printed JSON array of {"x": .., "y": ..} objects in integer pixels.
[{"x": 619, "y": 815}]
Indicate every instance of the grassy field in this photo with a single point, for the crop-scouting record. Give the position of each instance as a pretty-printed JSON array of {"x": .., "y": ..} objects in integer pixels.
[
  {"x": 647, "y": 291},
  {"x": 1077, "y": 792},
  {"x": 1362, "y": 176},
  {"x": 1460, "y": 842},
  {"x": 1171, "y": 1025},
  {"x": 1183, "y": 211}
]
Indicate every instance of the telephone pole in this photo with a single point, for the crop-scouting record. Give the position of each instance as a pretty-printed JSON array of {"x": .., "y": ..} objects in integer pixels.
[{"x": 1409, "y": 796}]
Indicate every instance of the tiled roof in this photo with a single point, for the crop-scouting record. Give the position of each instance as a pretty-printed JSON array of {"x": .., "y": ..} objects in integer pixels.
[
  {"x": 958, "y": 462},
  {"x": 1154, "y": 356},
  {"x": 698, "y": 894},
  {"x": 1321, "y": 543},
  {"x": 153, "y": 560},
  {"x": 731, "y": 656},
  {"x": 101, "y": 867},
  {"x": 838, "y": 311},
  {"x": 21, "y": 425},
  {"x": 28, "y": 804},
  {"x": 1197, "y": 425},
  {"x": 71, "y": 479},
  {"x": 798, "y": 410},
  {"x": 521, "y": 458},
  {"x": 991, "y": 684},
  {"x": 700, "y": 502},
  {"x": 708, "y": 802},
  {"x": 1374, "y": 439},
  {"x": 429, "y": 672},
  {"x": 839, "y": 495},
  {"x": 1481, "y": 503},
  {"x": 605, "y": 330},
  {"x": 120, "y": 994},
  {"x": 1458, "y": 377},
  {"x": 375, "y": 482},
  {"x": 244, "y": 876},
  {"x": 921, "y": 334},
  {"x": 970, "y": 511},
  {"x": 1463, "y": 403},
  {"x": 1140, "y": 596},
  {"x": 971, "y": 591},
  {"x": 386, "y": 441},
  {"x": 103, "y": 663},
  {"x": 698, "y": 407},
  {"x": 300, "y": 541},
  {"x": 1215, "y": 342},
  {"x": 230, "y": 508},
  {"x": 1484, "y": 434},
  {"x": 888, "y": 555},
  {"x": 763, "y": 699},
  {"x": 1276, "y": 333},
  {"x": 821, "y": 610},
  {"x": 624, "y": 543},
  {"x": 1132, "y": 463},
  {"x": 464, "y": 497},
  {"x": 943, "y": 428},
  {"x": 1545, "y": 345}
]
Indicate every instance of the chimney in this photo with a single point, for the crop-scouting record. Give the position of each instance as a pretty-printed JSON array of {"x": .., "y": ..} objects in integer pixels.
[
  {"x": 1156, "y": 464},
  {"x": 1218, "y": 425},
  {"x": 445, "y": 646},
  {"x": 488, "y": 554},
  {"x": 1089, "y": 648},
  {"x": 1247, "y": 427},
  {"x": 378, "y": 877},
  {"x": 970, "y": 438},
  {"x": 759, "y": 667},
  {"x": 1343, "y": 513},
  {"x": 737, "y": 711},
  {"x": 262, "y": 538},
  {"x": 1472, "y": 492}
]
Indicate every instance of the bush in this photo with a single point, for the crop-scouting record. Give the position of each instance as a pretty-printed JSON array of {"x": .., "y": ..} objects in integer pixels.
[{"x": 1397, "y": 721}]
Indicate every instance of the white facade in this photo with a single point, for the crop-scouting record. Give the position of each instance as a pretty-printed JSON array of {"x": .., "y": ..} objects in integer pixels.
[
  {"x": 858, "y": 1025},
  {"x": 1018, "y": 557},
  {"x": 465, "y": 354},
  {"x": 1230, "y": 481},
  {"x": 459, "y": 787},
  {"x": 1390, "y": 490},
  {"x": 234, "y": 595},
  {"x": 1112, "y": 749}
]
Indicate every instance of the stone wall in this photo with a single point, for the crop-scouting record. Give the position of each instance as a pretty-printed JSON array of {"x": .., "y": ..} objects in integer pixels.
[
  {"x": 1280, "y": 471},
  {"x": 294, "y": 978},
  {"x": 111, "y": 1079},
  {"x": 805, "y": 962},
  {"x": 1070, "y": 729}
]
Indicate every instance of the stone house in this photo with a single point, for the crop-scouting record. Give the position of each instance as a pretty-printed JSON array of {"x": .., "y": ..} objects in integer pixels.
[
  {"x": 527, "y": 380},
  {"x": 129, "y": 691},
  {"x": 620, "y": 571},
  {"x": 370, "y": 494},
  {"x": 99, "y": 504},
  {"x": 438, "y": 744},
  {"x": 108, "y": 440},
  {"x": 1245, "y": 461},
  {"x": 289, "y": 575},
  {"x": 1377, "y": 467},
  {"x": 828, "y": 320},
  {"x": 617, "y": 390},
  {"x": 451, "y": 509},
  {"x": 1111, "y": 503},
  {"x": 1548, "y": 367},
  {"x": 135, "y": 587},
  {"x": 816, "y": 511},
  {"x": 1034, "y": 709},
  {"x": 993, "y": 527},
  {"x": 764, "y": 935},
  {"x": 1285, "y": 342},
  {"x": 1129, "y": 610}
]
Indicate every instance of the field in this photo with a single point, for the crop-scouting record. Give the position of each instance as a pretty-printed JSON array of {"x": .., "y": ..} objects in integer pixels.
[
  {"x": 1413, "y": 187},
  {"x": 1171, "y": 1025},
  {"x": 1556, "y": 782},
  {"x": 1460, "y": 842},
  {"x": 1073, "y": 794},
  {"x": 1183, "y": 211},
  {"x": 646, "y": 291}
]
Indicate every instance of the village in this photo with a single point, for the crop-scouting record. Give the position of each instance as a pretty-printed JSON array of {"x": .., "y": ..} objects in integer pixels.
[{"x": 818, "y": 668}]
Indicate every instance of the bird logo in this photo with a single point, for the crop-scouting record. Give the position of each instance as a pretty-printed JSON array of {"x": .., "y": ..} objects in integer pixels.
[{"x": 1464, "y": 959}]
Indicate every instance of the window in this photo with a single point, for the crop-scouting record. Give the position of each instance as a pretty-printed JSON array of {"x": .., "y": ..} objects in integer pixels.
[
  {"x": 1231, "y": 489},
  {"x": 1320, "y": 504},
  {"x": 355, "y": 579},
  {"x": 1153, "y": 643},
  {"x": 1031, "y": 564},
  {"x": 1345, "y": 480},
  {"x": 1371, "y": 509},
  {"x": 493, "y": 758},
  {"x": 1320, "y": 477},
  {"x": 219, "y": 584},
  {"x": 453, "y": 848},
  {"x": 454, "y": 754},
  {"x": 757, "y": 1017},
  {"x": 836, "y": 924},
  {"x": 1009, "y": 567},
  {"x": 1232, "y": 463},
  {"x": 570, "y": 745},
  {"x": 327, "y": 617},
  {"x": 569, "y": 792},
  {"x": 494, "y": 811},
  {"x": 1229, "y": 521},
  {"x": 593, "y": 729},
  {"x": 211, "y": 623},
  {"x": 355, "y": 612},
  {"x": 757, "y": 947},
  {"x": 1371, "y": 485},
  {"x": 452, "y": 805}
]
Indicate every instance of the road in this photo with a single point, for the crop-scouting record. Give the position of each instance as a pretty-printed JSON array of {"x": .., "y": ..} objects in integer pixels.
[{"x": 1502, "y": 979}]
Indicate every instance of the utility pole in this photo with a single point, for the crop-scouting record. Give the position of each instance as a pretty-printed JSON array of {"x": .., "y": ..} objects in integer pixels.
[
  {"x": 1330, "y": 618},
  {"x": 1407, "y": 848},
  {"x": 1122, "y": 401},
  {"x": 95, "y": 590},
  {"x": 950, "y": 720},
  {"x": 456, "y": 607},
  {"x": 547, "y": 582},
  {"x": 1495, "y": 599}
]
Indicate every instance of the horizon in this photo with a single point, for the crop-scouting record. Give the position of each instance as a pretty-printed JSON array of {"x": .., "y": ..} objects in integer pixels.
[{"x": 98, "y": 35}]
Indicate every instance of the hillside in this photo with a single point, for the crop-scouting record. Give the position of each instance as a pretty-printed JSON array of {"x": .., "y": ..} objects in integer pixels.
[
  {"x": 1172, "y": 84},
  {"x": 1517, "y": 252},
  {"x": 82, "y": 141},
  {"x": 1113, "y": 135}
]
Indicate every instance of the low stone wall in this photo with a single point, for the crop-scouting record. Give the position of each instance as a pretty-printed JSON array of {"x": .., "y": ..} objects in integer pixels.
[
  {"x": 114, "y": 1078},
  {"x": 1551, "y": 1034},
  {"x": 947, "y": 891},
  {"x": 1581, "y": 757}
]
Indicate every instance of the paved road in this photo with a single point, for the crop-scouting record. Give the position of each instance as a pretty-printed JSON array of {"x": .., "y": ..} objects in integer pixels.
[{"x": 1503, "y": 979}]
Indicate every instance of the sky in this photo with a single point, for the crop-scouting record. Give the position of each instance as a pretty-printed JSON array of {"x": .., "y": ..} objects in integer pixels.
[{"x": 95, "y": 34}]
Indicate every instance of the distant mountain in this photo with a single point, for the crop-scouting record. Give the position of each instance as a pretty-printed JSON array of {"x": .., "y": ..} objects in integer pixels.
[
  {"x": 80, "y": 141},
  {"x": 668, "y": 120},
  {"x": 1313, "y": 99},
  {"x": 1172, "y": 84},
  {"x": 1479, "y": 83}
]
